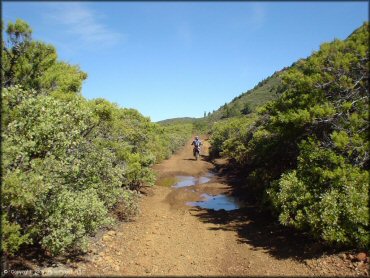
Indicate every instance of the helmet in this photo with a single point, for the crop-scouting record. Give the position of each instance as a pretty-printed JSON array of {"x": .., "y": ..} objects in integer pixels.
[{"x": 196, "y": 137}]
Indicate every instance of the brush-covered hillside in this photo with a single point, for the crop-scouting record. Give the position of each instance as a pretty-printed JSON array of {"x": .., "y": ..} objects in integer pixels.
[
  {"x": 182, "y": 120},
  {"x": 247, "y": 102}
]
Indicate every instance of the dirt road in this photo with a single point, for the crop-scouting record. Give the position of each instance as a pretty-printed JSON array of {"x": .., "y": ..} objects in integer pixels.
[{"x": 170, "y": 237}]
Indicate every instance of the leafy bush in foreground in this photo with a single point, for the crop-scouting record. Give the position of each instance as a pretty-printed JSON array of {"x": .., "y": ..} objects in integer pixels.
[
  {"x": 309, "y": 149},
  {"x": 67, "y": 162}
]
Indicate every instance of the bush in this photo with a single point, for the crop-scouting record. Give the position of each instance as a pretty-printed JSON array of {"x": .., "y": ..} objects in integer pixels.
[
  {"x": 68, "y": 162},
  {"x": 325, "y": 195},
  {"x": 309, "y": 148},
  {"x": 70, "y": 217},
  {"x": 127, "y": 206}
]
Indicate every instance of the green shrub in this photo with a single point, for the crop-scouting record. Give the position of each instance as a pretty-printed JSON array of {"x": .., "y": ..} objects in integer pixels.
[
  {"x": 68, "y": 162},
  {"x": 325, "y": 195},
  {"x": 309, "y": 149},
  {"x": 70, "y": 217},
  {"x": 11, "y": 236}
]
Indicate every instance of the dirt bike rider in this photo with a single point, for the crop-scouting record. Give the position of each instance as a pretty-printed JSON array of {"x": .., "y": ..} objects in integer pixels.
[{"x": 197, "y": 143}]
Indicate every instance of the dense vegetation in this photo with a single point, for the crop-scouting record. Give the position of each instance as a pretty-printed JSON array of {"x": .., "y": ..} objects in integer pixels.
[
  {"x": 305, "y": 155},
  {"x": 68, "y": 162}
]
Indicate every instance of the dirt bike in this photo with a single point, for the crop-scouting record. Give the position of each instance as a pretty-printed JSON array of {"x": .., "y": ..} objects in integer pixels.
[{"x": 196, "y": 152}]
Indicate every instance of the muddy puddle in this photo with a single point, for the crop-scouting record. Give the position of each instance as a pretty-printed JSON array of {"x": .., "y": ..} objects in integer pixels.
[
  {"x": 206, "y": 196},
  {"x": 216, "y": 202},
  {"x": 184, "y": 181}
]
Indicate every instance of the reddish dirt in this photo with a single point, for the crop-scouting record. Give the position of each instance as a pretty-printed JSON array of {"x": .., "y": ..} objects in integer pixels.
[{"x": 171, "y": 238}]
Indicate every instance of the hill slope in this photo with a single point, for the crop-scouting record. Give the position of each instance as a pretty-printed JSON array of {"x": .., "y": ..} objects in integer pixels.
[
  {"x": 247, "y": 102},
  {"x": 181, "y": 120}
]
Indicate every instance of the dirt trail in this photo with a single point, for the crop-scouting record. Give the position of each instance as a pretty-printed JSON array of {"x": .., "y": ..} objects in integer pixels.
[{"x": 171, "y": 238}]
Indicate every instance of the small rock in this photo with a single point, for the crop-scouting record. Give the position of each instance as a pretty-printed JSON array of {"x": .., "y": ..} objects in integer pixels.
[
  {"x": 361, "y": 257},
  {"x": 111, "y": 233},
  {"x": 343, "y": 256},
  {"x": 361, "y": 264}
]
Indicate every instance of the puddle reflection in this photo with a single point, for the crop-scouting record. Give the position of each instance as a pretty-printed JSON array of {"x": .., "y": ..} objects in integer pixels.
[
  {"x": 217, "y": 202},
  {"x": 184, "y": 181}
]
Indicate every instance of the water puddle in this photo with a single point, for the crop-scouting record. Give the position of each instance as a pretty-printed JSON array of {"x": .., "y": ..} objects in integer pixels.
[
  {"x": 183, "y": 181},
  {"x": 217, "y": 202}
]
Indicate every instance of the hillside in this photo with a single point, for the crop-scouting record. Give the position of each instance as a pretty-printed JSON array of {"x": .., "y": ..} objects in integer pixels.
[
  {"x": 182, "y": 120},
  {"x": 264, "y": 91},
  {"x": 247, "y": 102}
]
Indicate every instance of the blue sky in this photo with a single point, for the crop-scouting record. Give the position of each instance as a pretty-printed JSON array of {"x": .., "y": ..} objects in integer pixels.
[{"x": 179, "y": 59}]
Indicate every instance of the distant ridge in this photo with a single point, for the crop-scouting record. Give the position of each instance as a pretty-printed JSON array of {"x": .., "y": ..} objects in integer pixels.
[{"x": 177, "y": 120}]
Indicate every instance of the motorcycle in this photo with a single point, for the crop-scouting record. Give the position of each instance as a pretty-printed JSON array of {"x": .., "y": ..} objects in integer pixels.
[{"x": 196, "y": 152}]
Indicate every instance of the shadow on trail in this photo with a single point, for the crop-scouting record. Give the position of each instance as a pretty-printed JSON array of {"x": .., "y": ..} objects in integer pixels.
[
  {"x": 202, "y": 157},
  {"x": 261, "y": 232},
  {"x": 257, "y": 228},
  {"x": 33, "y": 259}
]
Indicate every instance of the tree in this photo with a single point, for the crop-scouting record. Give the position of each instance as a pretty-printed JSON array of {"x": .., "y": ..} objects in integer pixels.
[
  {"x": 34, "y": 65},
  {"x": 246, "y": 109},
  {"x": 19, "y": 37}
]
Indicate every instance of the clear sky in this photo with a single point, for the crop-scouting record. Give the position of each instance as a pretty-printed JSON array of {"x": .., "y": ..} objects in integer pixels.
[{"x": 179, "y": 59}]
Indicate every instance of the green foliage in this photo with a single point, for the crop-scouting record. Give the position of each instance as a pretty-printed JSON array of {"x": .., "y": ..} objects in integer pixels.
[
  {"x": 309, "y": 148},
  {"x": 325, "y": 195},
  {"x": 223, "y": 134},
  {"x": 175, "y": 136},
  {"x": 246, "y": 109},
  {"x": 68, "y": 162},
  {"x": 127, "y": 206},
  {"x": 34, "y": 64},
  {"x": 70, "y": 217},
  {"x": 62, "y": 79},
  {"x": 11, "y": 237}
]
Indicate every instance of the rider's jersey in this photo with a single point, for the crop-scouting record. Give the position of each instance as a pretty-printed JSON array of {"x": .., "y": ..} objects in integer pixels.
[{"x": 197, "y": 143}]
